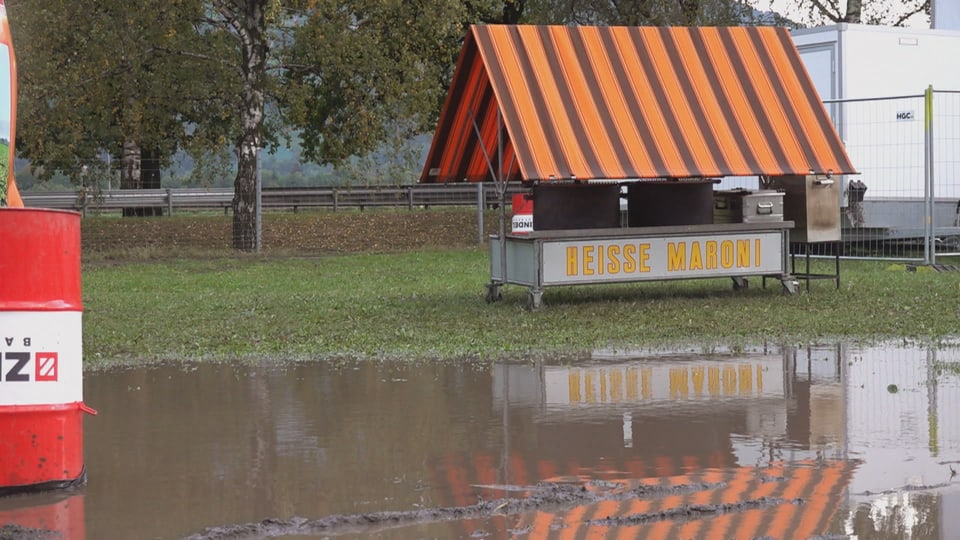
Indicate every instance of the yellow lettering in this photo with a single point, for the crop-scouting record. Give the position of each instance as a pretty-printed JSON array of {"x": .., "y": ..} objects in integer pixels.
[
  {"x": 629, "y": 265},
  {"x": 729, "y": 380},
  {"x": 613, "y": 258},
  {"x": 697, "y": 376},
  {"x": 696, "y": 260},
  {"x": 631, "y": 384},
  {"x": 678, "y": 383},
  {"x": 589, "y": 394},
  {"x": 573, "y": 386},
  {"x": 600, "y": 264},
  {"x": 713, "y": 380},
  {"x": 756, "y": 252},
  {"x": 676, "y": 256},
  {"x": 746, "y": 379},
  {"x": 616, "y": 385},
  {"x": 644, "y": 257},
  {"x": 711, "y": 258},
  {"x": 726, "y": 254},
  {"x": 587, "y": 260},
  {"x": 743, "y": 253},
  {"x": 572, "y": 265}
]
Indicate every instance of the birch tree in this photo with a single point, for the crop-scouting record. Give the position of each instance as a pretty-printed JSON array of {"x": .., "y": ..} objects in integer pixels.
[{"x": 158, "y": 76}]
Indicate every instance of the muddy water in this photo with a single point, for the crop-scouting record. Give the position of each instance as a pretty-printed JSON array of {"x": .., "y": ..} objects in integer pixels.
[{"x": 824, "y": 441}]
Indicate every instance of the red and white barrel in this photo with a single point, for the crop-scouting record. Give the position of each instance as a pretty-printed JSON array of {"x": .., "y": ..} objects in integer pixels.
[
  {"x": 522, "y": 220},
  {"x": 41, "y": 351}
]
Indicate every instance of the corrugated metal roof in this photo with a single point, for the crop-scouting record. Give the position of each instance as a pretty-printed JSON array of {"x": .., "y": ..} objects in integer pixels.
[{"x": 631, "y": 102}]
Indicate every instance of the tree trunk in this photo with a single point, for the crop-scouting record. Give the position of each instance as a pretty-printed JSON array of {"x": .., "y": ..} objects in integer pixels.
[
  {"x": 244, "y": 197},
  {"x": 247, "y": 18},
  {"x": 854, "y": 10},
  {"x": 513, "y": 11},
  {"x": 140, "y": 169}
]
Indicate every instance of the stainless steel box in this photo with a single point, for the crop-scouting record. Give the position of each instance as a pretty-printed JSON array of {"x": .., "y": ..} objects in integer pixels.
[
  {"x": 744, "y": 206},
  {"x": 812, "y": 202},
  {"x": 728, "y": 205},
  {"x": 763, "y": 206}
]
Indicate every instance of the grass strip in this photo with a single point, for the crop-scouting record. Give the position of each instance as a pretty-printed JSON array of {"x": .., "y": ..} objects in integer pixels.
[{"x": 430, "y": 304}]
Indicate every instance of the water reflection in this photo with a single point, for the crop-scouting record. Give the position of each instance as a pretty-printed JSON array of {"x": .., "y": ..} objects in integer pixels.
[
  {"x": 58, "y": 514},
  {"x": 776, "y": 442}
]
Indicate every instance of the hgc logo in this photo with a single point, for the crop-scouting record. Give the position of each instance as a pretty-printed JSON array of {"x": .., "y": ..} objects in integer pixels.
[{"x": 29, "y": 366}]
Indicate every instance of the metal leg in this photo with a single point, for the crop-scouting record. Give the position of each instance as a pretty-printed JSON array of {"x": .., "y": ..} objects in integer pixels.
[
  {"x": 836, "y": 265},
  {"x": 534, "y": 299},
  {"x": 493, "y": 292},
  {"x": 789, "y": 284},
  {"x": 740, "y": 283}
]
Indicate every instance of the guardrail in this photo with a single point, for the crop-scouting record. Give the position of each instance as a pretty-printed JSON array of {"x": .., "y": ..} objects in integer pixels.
[{"x": 335, "y": 198}]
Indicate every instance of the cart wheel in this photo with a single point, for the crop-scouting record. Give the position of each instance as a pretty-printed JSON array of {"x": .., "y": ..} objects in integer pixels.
[
  {"x": 493, "y": 293},
  {"x": 534, "y": 299},
  {"x": 740, "y": 283}
]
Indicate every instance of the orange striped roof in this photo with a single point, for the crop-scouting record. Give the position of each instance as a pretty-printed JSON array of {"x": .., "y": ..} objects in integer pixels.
[
  {"x": 631, "y": 102},
  {"x": 785, "y": 500}
]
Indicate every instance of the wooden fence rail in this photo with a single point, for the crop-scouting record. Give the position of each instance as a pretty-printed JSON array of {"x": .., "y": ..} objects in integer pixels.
[{"x": 335, "y": 198}]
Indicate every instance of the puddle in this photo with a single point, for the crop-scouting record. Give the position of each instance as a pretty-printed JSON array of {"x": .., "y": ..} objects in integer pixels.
[{"x": 819, "y": 442}]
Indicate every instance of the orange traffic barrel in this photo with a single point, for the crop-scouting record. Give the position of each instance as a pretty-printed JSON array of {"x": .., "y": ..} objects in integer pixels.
[{"x": 41, "y": 351}]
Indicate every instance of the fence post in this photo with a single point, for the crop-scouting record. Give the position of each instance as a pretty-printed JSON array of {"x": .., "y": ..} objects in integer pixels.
[
  {"x": 335, "y": 199},
  {"x": 409, "y": 197},
  {"x": 169, "y": 202},
  {"x": 929, "y": 229},
  {"x": 481, "y": 203}
]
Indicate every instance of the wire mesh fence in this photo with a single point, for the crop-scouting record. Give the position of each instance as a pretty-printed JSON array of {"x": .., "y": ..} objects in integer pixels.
[{"x": 904, "y": 203}]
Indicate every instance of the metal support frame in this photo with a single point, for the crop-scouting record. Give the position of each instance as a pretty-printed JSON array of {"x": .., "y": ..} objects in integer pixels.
[
  {"x": 807, "y": 275},
  {"x": 929, "y": 247},
  {"x": 500, "y": 183}
]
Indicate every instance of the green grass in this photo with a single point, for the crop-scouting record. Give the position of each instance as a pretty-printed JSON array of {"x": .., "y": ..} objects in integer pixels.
[{"x": 430, "y": 304}]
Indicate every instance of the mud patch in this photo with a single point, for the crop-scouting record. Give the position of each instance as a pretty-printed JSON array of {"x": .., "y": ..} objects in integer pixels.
[
  {"x": 544, "y": 497},
  {"x": 16, "y": 532},
  {"x": 692, "y": 511}
]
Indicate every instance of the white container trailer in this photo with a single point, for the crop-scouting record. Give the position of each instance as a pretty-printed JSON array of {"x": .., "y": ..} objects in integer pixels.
[{"x": 872, "y": 79}]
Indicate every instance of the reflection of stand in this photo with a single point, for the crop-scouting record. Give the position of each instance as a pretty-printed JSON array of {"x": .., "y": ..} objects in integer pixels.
[{"x": 805, "y": 249}]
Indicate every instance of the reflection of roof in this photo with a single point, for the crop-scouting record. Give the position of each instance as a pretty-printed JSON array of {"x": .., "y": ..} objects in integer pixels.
[
  {"x": 795, "y": 500},
  {"x": 632, "y": 102}
]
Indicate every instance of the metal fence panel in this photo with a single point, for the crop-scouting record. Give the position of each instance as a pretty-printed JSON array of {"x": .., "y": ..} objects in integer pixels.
[
  {"x": 885, "y": 141},
  {"x": 946, "y": 180},
  {"x": 906, "y": 149}
]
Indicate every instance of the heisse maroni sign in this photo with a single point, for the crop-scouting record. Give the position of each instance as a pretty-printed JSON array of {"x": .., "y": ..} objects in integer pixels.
[{"x": 660, "y": 258}]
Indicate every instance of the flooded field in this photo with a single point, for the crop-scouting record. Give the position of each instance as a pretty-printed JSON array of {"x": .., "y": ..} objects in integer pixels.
[{"x": 826, "y": 441}]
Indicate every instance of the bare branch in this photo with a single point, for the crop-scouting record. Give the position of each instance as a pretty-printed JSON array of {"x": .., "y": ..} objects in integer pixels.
[
  {"x": 199, "y": 56},
  {"x": 833, "y": 16},
  {"x": 105, "y": 74},
  {"x": 919, "y": 9}
]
